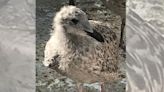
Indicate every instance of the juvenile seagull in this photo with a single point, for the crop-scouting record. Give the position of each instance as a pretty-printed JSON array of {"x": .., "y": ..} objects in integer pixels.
[{"x": 84, "y": 53}]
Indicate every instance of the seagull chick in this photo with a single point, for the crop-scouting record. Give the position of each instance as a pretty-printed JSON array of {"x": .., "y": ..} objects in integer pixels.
[{"x": 86, "y": 52}]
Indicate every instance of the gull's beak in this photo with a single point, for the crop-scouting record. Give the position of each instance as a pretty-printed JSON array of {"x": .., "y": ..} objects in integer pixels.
[{"x": 87, "y": 27}]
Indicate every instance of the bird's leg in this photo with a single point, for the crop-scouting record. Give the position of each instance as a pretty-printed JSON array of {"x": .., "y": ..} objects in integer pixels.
[
  {"x": 80, "y": 87},
  {"x": 102, "y": 89}
]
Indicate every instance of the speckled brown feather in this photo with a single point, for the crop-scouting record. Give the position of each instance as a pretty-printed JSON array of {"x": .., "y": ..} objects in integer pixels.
[{"x": 102, "y": 63}]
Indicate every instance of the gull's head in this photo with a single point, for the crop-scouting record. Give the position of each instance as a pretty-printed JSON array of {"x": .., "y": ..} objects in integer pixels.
[{"x": 73, "y": 19}]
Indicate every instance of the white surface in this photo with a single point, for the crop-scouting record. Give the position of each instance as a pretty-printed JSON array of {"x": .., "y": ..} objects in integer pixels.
[
  {"x": 17, "y": 46},
  {"x": 145, "y": 45}
]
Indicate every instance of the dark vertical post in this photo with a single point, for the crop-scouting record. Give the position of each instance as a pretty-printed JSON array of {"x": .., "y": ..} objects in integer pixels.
[{"x": 122, "y": 43}]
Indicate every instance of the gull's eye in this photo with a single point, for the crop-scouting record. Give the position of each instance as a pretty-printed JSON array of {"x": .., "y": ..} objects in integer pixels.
[{"x": 75, "y": 21}]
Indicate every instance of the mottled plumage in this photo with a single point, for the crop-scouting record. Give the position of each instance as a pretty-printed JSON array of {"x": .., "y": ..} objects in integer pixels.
[{"x": 85, "y": 51}]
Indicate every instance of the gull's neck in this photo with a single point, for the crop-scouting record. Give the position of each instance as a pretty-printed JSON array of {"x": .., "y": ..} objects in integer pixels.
[{"x": 60, "y": 33}]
